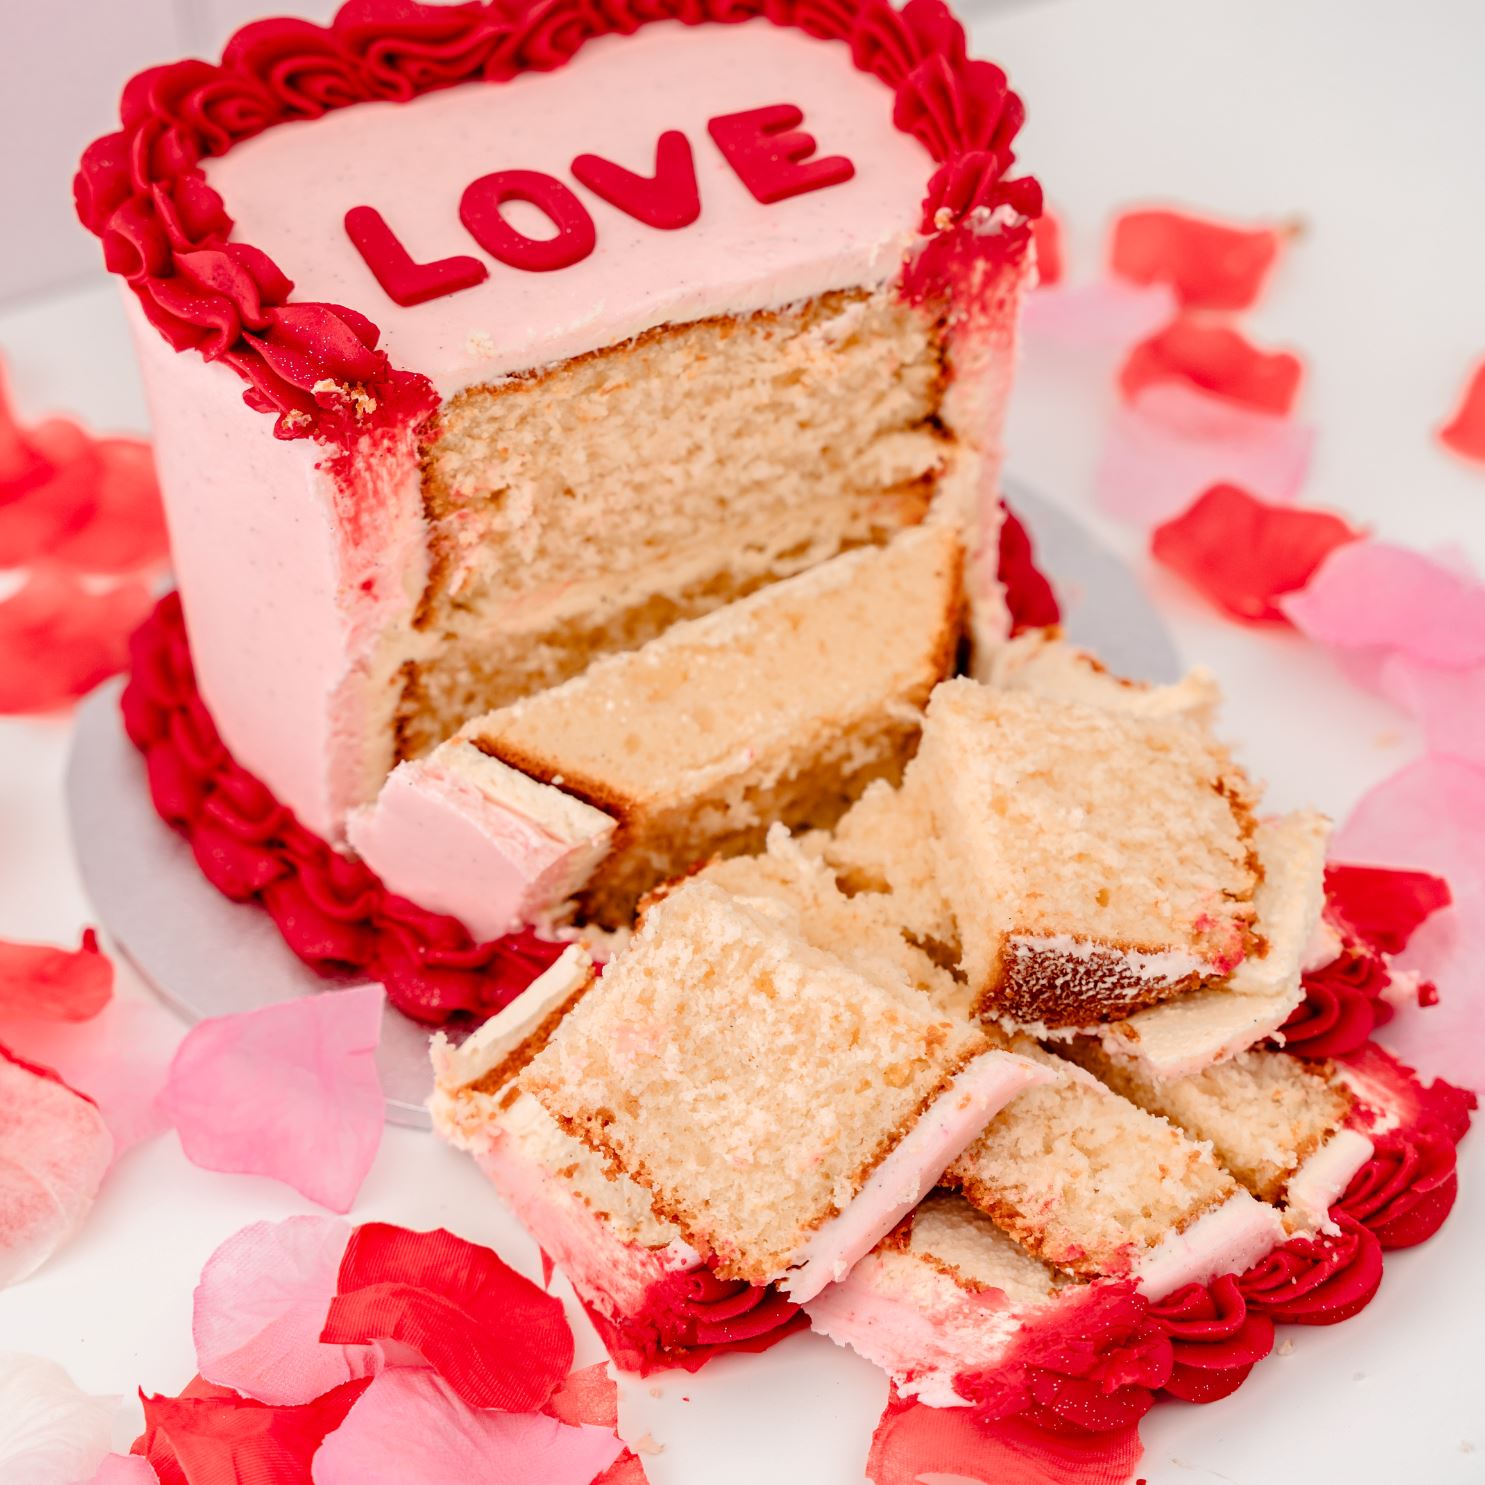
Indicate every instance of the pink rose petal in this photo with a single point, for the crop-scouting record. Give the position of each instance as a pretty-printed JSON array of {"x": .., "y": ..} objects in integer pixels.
[
  {"x": 51, "y": 1432},
  {"x": 290, "y": 1091},
  {"x": 54, "y": 1151},
  {"x": 410, "y": 1428},
  {"x": 1172, "y": 442},
  {"x": 1108, "y": 313},
  {"x": 118, "y": 1059},
  {"x": 1431, "y": 816},
  {"x": 260, "y": 1307},
  {"x": 1373, "y": 595},
  {"x": 1449, "y": 704},
  {"x": 124, "y": 1469}
]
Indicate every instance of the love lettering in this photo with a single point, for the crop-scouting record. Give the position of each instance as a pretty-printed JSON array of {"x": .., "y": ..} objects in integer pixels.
[{"x": 765, "y": 147}]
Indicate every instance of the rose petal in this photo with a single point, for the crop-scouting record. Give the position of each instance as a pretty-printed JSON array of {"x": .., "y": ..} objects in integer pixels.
[
  {"x": 290, "y": 1091},
  {"x": 51, "y": 1432},
  {"x": 260, "y": 1306},
  {"x": 124, "y": 1469},
  {"x": 1046, "y": 233},
  {"x": 1465, "y": 431},
  {"x": 58, "y": 638},
  {"x": 1383, "y": 906},
  {"x": 1028, "y": 595},
  {"x": 411, "y": 1428},
  {"x": 118, "y": 1059},
  {"x": 498, "y": 1340},
  {"x": 1173, "y": 442},
  {"x": 1449, "y": 704},
  {"x": 210, "y": 1436},
  {"x": 1216, "y": 359},
  {"x": 1209, "y": 264},
  {"x": 1107, "y": 313},
  {"x": 54, "y": 984},
  {"x": 1242, "y": 552},
  {"x": 54, "y": 1150},
  {"x": 1431, "y": 816},
  {"x": 914, "y": 1444},
  {"x": 1373, "y": 595},
  {"x": 126, "y": 531}
]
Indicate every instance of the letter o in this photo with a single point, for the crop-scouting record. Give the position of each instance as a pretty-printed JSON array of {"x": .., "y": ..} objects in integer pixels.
[{"x": 479, "y": 210}]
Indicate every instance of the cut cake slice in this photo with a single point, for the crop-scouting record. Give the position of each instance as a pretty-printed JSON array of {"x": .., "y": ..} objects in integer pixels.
[
  {"x": 782, "y": 706},
  {"x": 1092, "y": 1184},
  {"x": 784, "y": 1111},
  {"x": 1093, "y": 861},
  {"x": 1276, "y": 1122}
]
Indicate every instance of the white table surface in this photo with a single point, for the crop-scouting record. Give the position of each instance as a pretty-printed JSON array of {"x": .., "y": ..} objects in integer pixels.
[{"x": 1366, "y": 122}]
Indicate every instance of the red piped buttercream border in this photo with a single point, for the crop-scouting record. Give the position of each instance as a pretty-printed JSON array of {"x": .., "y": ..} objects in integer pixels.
[{"x": 316, "y": 367}]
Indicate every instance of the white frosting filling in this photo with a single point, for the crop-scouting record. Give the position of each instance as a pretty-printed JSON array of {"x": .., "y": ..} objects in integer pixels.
[
  {"x": 1226, "y": 1240},
  {"x": 907, "y": 1173},
  {"x": 1323, "y": 1176}
]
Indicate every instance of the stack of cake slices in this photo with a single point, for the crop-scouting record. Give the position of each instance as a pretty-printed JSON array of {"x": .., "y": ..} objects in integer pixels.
[{"x": 985, "y": 1053}]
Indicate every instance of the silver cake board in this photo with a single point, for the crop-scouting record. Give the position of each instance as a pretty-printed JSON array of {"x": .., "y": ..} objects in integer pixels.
[{"x": 208, "y": 956}]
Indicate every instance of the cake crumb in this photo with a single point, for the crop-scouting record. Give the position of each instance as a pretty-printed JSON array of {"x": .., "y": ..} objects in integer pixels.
[
  {"x": 1466, "y": 1447},
  {"x": 1284, "y": 1348},
  {"x": 645, "y": 1444},
  {"x": 657, "y": 1392}
]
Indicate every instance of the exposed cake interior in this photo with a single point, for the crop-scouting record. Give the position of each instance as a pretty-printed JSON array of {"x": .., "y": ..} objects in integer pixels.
[
  {"x": 581, "y": 509},
  {"x": 1083, "y": 1179},
  {"x": 757, "y": 1085},
  {"x": 780, "y": 707}
]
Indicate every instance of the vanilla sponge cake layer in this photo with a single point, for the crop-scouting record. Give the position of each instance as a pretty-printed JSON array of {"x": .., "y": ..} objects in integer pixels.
[
  {"x": 781, "y": 707},
  {"x": 1263, "y": 1112},
  {"x": 1092, "y": 861},
  {"x": 750, "y": 1081},
  {"x": 581, "y": 509},
  {"x": 1083, "y": 1179}
]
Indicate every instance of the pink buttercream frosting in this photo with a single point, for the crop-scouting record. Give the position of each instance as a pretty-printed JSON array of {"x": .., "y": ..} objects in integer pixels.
[{"x": 616, "y": 97}]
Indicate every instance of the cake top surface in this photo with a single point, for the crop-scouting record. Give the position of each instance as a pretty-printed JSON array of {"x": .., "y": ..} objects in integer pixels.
[{"x": 288, "y": 192}]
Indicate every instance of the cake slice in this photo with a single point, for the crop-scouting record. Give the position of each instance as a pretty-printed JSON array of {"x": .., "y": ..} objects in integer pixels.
[
  {"x": 779, "y": 707},
  {"x": 1094, "y": 1185},
  {"x": 1093, "y": 861},
  {"x": 1275, "y": 1122},
  {"x": 783, "y": 1110}
]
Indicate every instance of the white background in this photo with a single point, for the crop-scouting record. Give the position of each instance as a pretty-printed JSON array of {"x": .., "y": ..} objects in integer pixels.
[{"x": 1363, "y": 120}]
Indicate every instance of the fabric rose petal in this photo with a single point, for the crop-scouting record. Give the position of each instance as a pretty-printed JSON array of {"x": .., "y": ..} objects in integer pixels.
[
  {"x": 211, "y": 1436},
  {"x": 290, "y": 1091},
  {"x": 1107, "y": 314},
  {"x": 59, "y": 638},
  {"x": 497, "y": 1339},
  {"x": 1209, "y": 264},
  {"x": 54, "y": 984},
  {"x": 1216, "y": 359},
  {"x": 1243, "y": 553},
  {"x": 411, "y": 1428},
  {"x": 124, "y": 1469},
  {"x": 54, "y": 1151},
  {"x": 1372, "y": 595},
  {"x": 1173, "y": 442},
  {"x": 592, "y": 1396},
  {"x": 1382, "y": 905},
  {"x": 913, "y": 1441},
  {"x": 260, "y": 1306},
  {"x": 51, "y": 1432},
  {"x": 1464, "y": 433},
  {"x": 1046, "y": 233}
]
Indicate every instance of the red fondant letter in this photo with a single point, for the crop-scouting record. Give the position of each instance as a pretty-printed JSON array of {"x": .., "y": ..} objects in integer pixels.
[
  {"x": 406, "y": 281},
  {"x": 771, "y": 158},
  {"x": 667, "y": 199},
  {"x": 479, "y": 210}
]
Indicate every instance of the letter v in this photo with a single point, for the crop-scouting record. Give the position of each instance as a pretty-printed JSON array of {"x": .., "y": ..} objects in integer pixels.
[{"x": 667, "y": 199}]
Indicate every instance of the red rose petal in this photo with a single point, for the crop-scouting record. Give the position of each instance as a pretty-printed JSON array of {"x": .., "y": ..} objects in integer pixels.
[
  {"x": 1209, "y": 264},
  {"x": 1243, "y": 553},
  {"x": 127, "y": 529},
  {"x": 211, "y": 1436},
  {"x": 1382, "y": 905},
  {"x": 58, "y": 639},
  {"x": 54, "y": 1151},
  {"x": 1046, "y": 234},
  {"x": 498, "y": 1340},
  {"x": 1216, "y": 359},
  {"x": 1028, "y": 594},
  {"x": 1464, "y": 433},
  {"x": 592, "y": 1396},
  {"x": 912, "y": 1441},
  {"x": 37, "y": 980}
]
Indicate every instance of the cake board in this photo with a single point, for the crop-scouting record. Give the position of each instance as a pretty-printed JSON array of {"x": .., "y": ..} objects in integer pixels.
[{"x": 205, "y": 955}]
